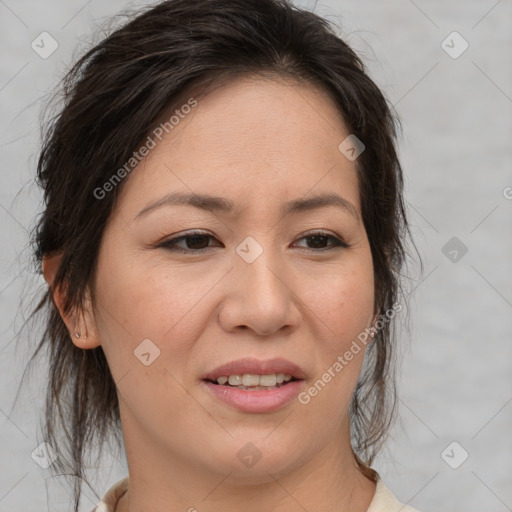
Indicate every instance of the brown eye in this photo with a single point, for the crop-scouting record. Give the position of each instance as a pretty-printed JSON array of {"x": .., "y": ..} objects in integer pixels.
[
  {"x": 193, "y": 243},
  {"x": 319, "y": 241},
  {"x": 197, "y": 241}
]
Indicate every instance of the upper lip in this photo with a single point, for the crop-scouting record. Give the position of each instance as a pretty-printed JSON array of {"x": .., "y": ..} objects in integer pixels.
[{"x": 256, "y": 367}]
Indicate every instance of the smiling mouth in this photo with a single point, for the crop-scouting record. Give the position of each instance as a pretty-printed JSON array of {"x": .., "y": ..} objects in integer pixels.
[{"x": 253, "y": 382}]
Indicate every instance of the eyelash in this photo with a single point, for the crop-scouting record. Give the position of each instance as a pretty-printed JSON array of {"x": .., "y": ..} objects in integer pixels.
[{"x": 170, "y": 245}]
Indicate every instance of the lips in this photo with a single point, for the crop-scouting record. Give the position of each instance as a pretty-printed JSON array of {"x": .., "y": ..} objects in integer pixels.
[{"x": 258, "y": 367}]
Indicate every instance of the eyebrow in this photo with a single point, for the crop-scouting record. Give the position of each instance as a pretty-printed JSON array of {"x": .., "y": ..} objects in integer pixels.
[{"x": 225, "y": 206}]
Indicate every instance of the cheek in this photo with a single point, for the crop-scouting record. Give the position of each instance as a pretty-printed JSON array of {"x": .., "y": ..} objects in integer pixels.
[
  {"x": 140, "y": 301},
  {"x": 342, "y": 301},
  {"x": 341, "y": 309}
]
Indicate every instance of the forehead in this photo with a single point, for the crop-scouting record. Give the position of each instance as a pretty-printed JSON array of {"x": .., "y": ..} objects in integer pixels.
[{"x": 252, "y": 138}]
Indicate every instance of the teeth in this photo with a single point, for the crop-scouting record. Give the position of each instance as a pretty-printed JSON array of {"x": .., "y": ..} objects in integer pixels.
[
  {"x": 235, "y": 380},
  {"x": 252, "y": 380},
  {"x": 268, "y": 380}
]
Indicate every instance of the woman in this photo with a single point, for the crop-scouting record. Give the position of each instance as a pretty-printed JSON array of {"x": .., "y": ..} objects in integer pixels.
[{"x": 223, "y": 235}]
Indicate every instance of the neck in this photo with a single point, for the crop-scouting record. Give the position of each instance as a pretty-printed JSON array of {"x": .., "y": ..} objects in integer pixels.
[{"x": 160, "y": 481}]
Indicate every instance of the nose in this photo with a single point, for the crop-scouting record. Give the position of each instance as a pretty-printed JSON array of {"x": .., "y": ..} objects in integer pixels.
[{"x": 260, "y": 296}]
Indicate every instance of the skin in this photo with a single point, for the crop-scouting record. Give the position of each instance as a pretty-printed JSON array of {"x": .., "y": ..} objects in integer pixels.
[{"x": 258, "y": 143}]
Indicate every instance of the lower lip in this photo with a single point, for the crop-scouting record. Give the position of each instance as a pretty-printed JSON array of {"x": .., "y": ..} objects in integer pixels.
[{"x": 256, "y": 401}]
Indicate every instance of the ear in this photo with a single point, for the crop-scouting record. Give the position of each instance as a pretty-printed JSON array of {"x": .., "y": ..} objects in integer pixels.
[
  {"x": 81, "y": 324},
  {"x": 372, "y": 320}
]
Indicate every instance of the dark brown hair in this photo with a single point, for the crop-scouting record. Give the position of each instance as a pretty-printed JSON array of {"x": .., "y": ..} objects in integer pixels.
[{"x": 111, "y": 99}]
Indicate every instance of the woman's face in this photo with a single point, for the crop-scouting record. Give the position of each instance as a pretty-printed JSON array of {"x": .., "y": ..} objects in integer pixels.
[{"x": 254, "y": 283}]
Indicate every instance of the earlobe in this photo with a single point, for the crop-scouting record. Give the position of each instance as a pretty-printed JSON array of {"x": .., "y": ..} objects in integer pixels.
[
  {"x": 372, "y": 321},
  {"x": 86, "y": 333},
  {"x": 372, "y": 327},
  {"x": 80, "y": 324}
]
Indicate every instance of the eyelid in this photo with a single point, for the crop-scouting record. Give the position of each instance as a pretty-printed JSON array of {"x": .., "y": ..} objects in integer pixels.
[
  {"x": 171, "y": 244},
  {"x": 340, "y": 241}
]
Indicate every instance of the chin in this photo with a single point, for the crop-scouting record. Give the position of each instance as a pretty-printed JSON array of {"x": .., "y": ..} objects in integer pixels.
[{"x": 258, "y": 462}]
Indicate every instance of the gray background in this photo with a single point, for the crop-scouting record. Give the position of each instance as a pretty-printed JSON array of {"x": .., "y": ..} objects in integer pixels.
[{"x": 456, "y": 378}]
